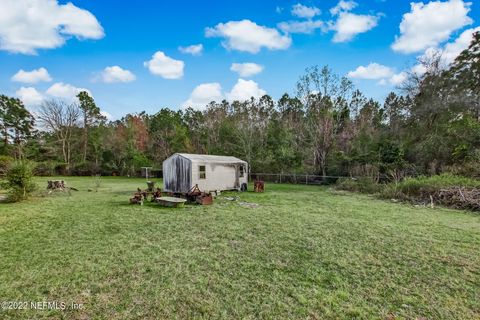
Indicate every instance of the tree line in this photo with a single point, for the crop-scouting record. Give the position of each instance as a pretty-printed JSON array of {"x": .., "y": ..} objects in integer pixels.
[{"x": 327, "y": 127}]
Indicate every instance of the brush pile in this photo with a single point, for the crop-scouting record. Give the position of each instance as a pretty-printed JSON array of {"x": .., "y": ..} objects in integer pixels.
[{"x": 459, "y": 198}]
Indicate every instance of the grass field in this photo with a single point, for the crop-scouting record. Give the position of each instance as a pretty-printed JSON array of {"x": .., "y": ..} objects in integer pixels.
[{"x": 304, "y": 253}]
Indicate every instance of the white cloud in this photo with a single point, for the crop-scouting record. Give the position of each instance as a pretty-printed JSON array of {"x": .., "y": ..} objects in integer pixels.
[
  {"x": 164, "y": 66},
  {"x": 248, "y": 36},
  {"x": 373, "y": 71},
  {"x": 447, "y": 54},
  {"x": 343, "y": 6},
  {"x": 203, "y": 94},
  {"x": 33, "y": 76},
  {"x": 244, "y": 90},
  {"x": 385, "y": 75},
  {"x": 348, "y": 25},
  {"x": 194, "y": 50},
  {"x": 419, "y": 69},
  {"x": 107, "y": 115},
  {"x": 246, "y": 69},
  {"x": 301, "y": 11},
  {"x": 29, "y": 96},
  {"x": 65, "y": 91},
  {"x": 307, "y": 27},
  {"x": 427, "y": 25},
  {"x": 116, "y": 74},
  {"x": 453, "y": 49},
  {"x": 399, "y": 78},
  {"x": 29, "y": 25}
]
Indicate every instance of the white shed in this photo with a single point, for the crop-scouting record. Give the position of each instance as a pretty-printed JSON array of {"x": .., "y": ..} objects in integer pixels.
[{"x": 182, "y": 171}]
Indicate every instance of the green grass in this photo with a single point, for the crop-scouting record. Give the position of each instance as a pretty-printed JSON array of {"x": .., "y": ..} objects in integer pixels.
[{"x": 305, "y": 253}]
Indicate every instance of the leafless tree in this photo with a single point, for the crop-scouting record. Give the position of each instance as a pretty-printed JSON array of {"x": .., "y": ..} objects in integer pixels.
[
  {"x": 431, "y": 64},
  {"x": 61, "y": 119}
]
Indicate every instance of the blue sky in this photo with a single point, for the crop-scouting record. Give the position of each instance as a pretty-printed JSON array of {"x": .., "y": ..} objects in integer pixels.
[{"x": 101, "y": 34}]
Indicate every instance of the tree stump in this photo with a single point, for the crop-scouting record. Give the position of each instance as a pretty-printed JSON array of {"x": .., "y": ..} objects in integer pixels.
[{"x": 55, "y": 185}]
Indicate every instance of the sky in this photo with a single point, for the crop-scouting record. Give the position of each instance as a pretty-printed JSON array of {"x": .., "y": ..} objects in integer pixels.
[{"x": 135, "y": 56}]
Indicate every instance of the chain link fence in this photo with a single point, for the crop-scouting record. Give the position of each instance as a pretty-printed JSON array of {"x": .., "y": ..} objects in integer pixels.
[{"x": 294, "y": 178}]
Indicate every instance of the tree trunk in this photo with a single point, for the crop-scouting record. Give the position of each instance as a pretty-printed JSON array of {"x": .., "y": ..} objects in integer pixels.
[
  {"x": 68, "y": 156},
  {"x": 85, "y": 136},
  {"x": 64, "y": 150},
  {"x": 5, "y": 132}
]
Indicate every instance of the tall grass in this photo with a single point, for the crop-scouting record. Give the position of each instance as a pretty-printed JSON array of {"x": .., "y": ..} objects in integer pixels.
[
  {"x": 419, "y": 186},
  {"x": 446, "y": 189}
]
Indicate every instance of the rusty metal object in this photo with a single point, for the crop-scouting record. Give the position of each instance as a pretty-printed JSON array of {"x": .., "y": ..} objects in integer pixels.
[
  {"x": 195, "y": 195},
  {"x": 194, "y": 191},
  {"x": 137, "y": 198},
  {"x": 156, "y": 194},
  {"x": 205, "y": 199},
  {"x": 259, "y": 186},
  {"x": 150, "y": 185}
]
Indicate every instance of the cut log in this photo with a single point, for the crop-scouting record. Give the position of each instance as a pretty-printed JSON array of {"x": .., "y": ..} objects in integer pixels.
[{"x": 55, "y": 185}]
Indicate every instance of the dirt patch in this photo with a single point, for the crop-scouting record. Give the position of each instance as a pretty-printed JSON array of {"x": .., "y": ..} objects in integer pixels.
[{"x": 249, "y": 205}]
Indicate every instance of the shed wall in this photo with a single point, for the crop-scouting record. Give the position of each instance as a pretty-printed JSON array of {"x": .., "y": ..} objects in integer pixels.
[{"x": 219, "y": 176}]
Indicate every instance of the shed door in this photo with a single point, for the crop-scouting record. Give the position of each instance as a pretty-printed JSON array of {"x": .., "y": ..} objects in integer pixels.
[
  {"x": 184, "y": 175},
  {"x": 177, "y": 174}
]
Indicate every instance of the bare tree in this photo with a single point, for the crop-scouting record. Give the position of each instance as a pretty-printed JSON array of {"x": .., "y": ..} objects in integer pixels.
[
  {"x": 431, "y": 64},
  {"x": 60, "y": 118}
]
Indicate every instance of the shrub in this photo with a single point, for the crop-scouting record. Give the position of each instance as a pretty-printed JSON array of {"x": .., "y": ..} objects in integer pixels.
[
  {"x": 46, "y": 168},
  {"x": 5, "y": 161},
  {"x": 61, "y": 169},
  {"x": 467, "y": 169},
  {"x": 366, "y": 171},
  {"x": 19, "y": 180},
  {"x": 362, "y": 184},
  {"x": 81, "y": 169},
  {"x": 97, "y": 182}
]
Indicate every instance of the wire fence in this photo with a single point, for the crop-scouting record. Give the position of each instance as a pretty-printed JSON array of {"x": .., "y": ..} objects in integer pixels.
[{"x": 294, "y": 178}]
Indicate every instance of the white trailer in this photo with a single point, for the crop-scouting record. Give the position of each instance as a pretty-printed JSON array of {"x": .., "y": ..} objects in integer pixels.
[{"x": 182, "y": 171}]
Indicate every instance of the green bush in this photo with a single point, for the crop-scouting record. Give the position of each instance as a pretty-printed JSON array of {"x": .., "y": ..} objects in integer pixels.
[
  {"x": 82, "y": 169},
  {"x": 19, "y": 180},
  {"x": 45, "y": 168},
  {"x": 467, "y": 169},
  {"x": 5, "y": 161},
  {"x": 61, "y": 169},
  {"x": 361, "y": 184}
]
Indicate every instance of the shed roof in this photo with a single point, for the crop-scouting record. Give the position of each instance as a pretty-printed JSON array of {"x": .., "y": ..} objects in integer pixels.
[{"x": 210, "y": 158}]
